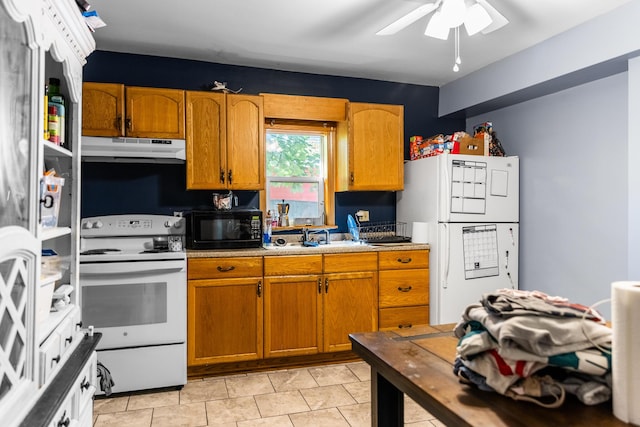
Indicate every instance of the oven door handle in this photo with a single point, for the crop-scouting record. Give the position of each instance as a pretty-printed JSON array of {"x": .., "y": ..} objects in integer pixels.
[{"x": 144, "y": 267}]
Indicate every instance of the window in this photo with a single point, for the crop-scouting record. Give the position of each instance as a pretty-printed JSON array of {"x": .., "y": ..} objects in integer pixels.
[{"x": 297, "y": 171}]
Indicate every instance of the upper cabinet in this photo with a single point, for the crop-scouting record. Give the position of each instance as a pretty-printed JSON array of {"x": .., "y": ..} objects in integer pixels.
[
  {"x": 370, "y": 153},
  {"x": 294, "y": 107},
  {"x": 225, "y": 141},
  {"x": 112, "y": 109}
]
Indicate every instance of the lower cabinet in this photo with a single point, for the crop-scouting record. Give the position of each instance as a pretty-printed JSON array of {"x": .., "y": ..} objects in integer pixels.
[
  {"x": 292, "y": 305},
  {"x": 313, "y": 302},
  {"x": 350, "y": 300},
  {"x": 224, "y": 313},
  {"x": 404, "y": 289},
  {"x": 250, "y": 308}
]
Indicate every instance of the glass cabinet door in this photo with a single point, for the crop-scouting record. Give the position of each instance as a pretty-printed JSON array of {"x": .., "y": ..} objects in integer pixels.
[{"x": 15, "y": 122}]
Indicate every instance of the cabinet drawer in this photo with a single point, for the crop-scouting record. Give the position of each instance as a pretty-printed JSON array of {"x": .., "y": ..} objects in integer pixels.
[
  {"x": 67, "y": 332},
  {"x": 394, "y": 260},
  {"x": 49, "y": 357},
  {"x": 403, "y": 317},
  {"x": 292, "y": 265},
  {"x": 342, "y": 263},
  {"x": 65, "y": 415},
  {"x": 400, "y": 288},
  {"x": 222, "y": 268},
  {"x": 87, "y": 382}
]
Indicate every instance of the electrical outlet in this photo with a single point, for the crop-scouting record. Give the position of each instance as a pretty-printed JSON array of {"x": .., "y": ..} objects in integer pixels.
[{"x": 363, "y": 216}]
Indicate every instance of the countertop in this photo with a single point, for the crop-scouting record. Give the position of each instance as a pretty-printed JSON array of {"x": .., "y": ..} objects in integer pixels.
[{"x": 334, "y": 247}]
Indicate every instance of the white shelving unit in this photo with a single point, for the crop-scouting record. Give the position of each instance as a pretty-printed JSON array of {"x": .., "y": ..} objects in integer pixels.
[{"x": 46, "y": 358}]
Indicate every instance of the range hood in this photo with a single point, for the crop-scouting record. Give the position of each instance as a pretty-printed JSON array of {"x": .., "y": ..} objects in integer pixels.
[{"x": 132, "y": 150}]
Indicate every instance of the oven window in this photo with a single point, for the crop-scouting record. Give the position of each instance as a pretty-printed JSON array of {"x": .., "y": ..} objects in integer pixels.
[{"x": 109, "y": 306}]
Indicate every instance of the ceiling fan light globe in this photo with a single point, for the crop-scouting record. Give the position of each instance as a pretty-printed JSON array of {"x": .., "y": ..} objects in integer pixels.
[
  {"x": 453, "y": 12},
  {"x": 476, "y": 19},
  {"x": 437, "y": 27}
]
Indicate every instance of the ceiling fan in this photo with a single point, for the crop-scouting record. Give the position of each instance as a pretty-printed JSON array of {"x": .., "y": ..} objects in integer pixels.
[{"x": 476, "y": 15}]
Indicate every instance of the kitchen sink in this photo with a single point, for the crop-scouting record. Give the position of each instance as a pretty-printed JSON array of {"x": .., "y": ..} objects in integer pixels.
[{"x": 298, "y": 245}]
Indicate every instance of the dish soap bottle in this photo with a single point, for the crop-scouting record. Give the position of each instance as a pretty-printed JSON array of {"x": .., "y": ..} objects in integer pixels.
[{"x": 266, "y": 232}]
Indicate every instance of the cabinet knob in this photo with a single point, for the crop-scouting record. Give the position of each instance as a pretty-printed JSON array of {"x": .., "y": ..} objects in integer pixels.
[
  {"x": 64, "y": 420},
  {"x": 230, "y": 175},
  {"x": 221, "y": 176},
  {"x": 259, "y": 288},
  {"x": 85, "y": 384}
]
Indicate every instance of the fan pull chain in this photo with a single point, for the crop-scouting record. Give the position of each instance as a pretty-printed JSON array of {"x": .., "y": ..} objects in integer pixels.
[{"x": 456, "y": 53}]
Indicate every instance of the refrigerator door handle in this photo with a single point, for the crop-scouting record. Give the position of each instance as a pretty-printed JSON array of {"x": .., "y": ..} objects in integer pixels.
[
  {"x": 447, "y": 249},
  {"x": 446, "y": 205}
]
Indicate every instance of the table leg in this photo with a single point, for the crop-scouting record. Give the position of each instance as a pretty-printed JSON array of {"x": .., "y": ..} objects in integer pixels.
[{"x": 387, "y": 402}]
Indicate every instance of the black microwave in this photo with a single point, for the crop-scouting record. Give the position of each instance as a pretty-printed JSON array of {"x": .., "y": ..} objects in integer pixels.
[{"x": 224, "y": 229}]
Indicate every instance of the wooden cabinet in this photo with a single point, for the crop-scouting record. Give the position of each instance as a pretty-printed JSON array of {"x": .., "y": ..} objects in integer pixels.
[
  {"x": 225, "y": 141},
  {"x": 350, "y": 299},
  {"x": 111, "y": 109},
  {"x": 292, "y": 305},
  {"x": 404, "y": 289},
  {"x": 225, "y": 309},
  {"x": 312, "y": 309},
  {"x": 370, "y": 154},
  {"x": 103, "y": 109},
  {"x": 295, "y": 107}
]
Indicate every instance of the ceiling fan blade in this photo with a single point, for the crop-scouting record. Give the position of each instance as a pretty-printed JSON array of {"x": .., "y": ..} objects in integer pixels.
[
  {"x": 498, "y": 20},
  {"x": 408, "y": 19}
]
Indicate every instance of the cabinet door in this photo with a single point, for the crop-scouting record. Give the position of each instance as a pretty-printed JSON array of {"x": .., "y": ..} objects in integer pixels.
[
  {"x": 375, "y": 148},
  {"x": 206, "y": 136},
  {"x": 154, "y": 113},
  {"x": 224, "y": 320},
  {"x": 245, "y": 142},
  {"x": 350, "y": 305},
  {"x": 103, "y": 109},
  {"x": 292, "y": 315}
]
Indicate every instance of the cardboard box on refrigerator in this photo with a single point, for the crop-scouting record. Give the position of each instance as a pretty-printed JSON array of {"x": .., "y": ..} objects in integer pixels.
[{"x": 473, "y": 146}]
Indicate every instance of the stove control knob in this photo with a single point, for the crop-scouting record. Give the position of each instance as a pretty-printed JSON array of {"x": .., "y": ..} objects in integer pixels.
[
  {"x": 97, "y": 224},
  {"x": 170, "y": 224},
  {"x": 87, "y": 225}
]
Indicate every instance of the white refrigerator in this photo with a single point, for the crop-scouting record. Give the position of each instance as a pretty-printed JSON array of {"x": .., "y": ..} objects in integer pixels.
[{"x": 470, "y": 205}]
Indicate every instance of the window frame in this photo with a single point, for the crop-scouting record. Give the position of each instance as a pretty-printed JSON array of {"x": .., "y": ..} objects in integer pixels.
[{"x": 329, "y": 129}]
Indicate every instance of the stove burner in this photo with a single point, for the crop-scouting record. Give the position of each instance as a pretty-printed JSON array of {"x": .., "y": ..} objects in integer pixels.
[
  {"x": 154, "y": 251},
  {"x": 98, "y": 251}
]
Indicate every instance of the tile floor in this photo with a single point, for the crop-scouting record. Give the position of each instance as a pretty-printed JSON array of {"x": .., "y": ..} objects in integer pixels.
[{"x": 324, "y": 396}]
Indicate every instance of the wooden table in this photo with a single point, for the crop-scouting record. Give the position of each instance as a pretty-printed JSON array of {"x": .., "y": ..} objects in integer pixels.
[{"x": 419, "y": 363}]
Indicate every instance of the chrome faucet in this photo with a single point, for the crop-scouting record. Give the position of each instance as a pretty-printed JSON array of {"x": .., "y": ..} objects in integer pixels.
[{"x": 307, "y": 232}]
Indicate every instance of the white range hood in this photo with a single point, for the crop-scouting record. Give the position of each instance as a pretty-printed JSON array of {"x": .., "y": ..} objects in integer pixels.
[{"x": 132, "y": 150}]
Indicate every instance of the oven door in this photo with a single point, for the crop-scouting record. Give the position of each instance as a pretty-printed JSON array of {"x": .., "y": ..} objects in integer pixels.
[{"x": 135, "y": 303}]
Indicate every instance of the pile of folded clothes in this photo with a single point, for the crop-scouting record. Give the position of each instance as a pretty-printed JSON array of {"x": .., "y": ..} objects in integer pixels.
[{"x": 534, "y": 347}]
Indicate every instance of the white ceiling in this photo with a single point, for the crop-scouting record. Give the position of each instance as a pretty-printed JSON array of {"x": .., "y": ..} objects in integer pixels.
[{"x": 334, "y": 37}]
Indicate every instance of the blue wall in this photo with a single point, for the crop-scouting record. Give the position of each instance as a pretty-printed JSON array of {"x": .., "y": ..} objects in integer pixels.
[{"x": 113, "y": 188}]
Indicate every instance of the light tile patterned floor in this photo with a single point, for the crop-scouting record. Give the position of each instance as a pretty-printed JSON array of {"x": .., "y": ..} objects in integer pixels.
[{"x": 322, "y": 396}]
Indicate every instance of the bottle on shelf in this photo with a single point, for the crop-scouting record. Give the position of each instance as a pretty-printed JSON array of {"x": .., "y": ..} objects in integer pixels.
[
  {"x": 56, "y": 99},
  {"x": 46, "y": 112}
]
